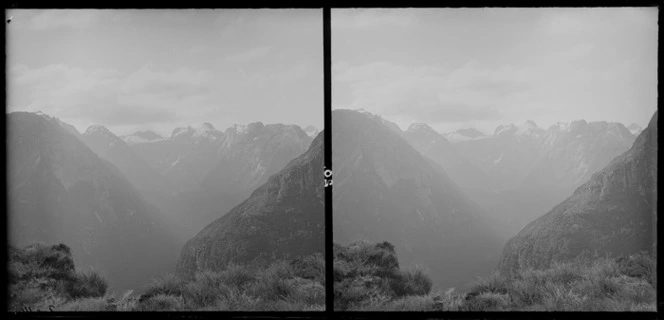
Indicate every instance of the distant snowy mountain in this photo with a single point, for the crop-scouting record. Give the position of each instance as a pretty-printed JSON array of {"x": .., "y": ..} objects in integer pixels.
[
  {"x": 635, "y": 129},
  {"x": 437, "y": 148},
  {"x": 464, "y": 134},
  {"x": 311, "y": 131},
  {"x": 141, "y": 136},
  {"x": 213, "y": 171}
]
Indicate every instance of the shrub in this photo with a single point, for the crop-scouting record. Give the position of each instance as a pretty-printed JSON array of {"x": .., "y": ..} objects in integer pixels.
[
  {"x": 642, "y": 265},
  {"x": 160, "y": 302},
  {"x": 408, "y": 303},
  {"x": 492, "y": 284},
  {"x": 411, "y": 282},
  {"x": 236, "y": 276},
  {"x": 86, "y": 285},
  {"x": 488, "y": 301},
  {"x": 87, "y": 304},
  {"x": 310, "y": 267},
  {"x": 168, "y": 285}
]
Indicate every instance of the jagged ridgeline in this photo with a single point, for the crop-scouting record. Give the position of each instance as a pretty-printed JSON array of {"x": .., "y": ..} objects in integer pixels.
[
  {"x": 60, "y": 191},
  {"x": 615, "y": 212},
  {"x": 282, "y": 218}
]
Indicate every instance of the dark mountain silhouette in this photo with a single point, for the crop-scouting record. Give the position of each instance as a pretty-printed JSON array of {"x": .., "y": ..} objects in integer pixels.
[
  {"x": 283, "y": 217},
  {"x": 385, "y": 190},
  {"x": 614, "y": 212},
  {"x": 61, "y": 191}
]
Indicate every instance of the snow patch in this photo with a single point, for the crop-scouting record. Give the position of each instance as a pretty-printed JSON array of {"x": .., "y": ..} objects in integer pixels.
[{"x": 499, "y": 158}]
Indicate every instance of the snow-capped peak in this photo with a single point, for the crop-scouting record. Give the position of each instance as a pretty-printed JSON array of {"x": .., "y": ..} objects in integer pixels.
[
  {"x": 96, "y": 128},
  {"x": 528, "y": 128},
  {"x": 204, "y": 130},
  {"x": 465, "y": 134},
  {"x": 502, "y": 129},
  {"x": 142, "y": 137},
  {"x": 561, "y": 126},
  {"x": 419, "y": 126},
  {"x": 311, "y": 131},
  {"x": 635, "y": 129}
]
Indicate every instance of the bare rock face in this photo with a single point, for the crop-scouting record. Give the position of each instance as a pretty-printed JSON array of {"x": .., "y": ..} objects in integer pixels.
[
  {"x": 282, "y": 218},
  {"x": 614, "y": 212}
]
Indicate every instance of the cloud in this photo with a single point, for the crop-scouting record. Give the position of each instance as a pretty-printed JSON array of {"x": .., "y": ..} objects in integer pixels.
[
  {"x": 107, "y": 96},
  {"x": 249, "y": 55},
  {"x": 432, "y": 93},
  {"x": 52, "y": 19},
  {"x": 370, "y": 18}
]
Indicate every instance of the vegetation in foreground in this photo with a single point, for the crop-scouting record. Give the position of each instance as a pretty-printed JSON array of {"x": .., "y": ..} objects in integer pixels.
[
  {"x": 368, "y": 278},
  {"x": 44, "y": 278}
]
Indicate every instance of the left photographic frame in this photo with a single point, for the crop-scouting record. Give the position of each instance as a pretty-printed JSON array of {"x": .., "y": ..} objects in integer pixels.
[{"x": 165, "y": 160}]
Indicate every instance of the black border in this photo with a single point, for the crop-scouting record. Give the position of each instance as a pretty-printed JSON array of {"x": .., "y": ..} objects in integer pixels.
[
  {"x": 327, "y": 136},
  {"x": 329, "y": 313}
]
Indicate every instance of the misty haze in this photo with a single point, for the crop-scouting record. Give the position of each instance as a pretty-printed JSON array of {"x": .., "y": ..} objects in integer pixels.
[
  {"x": 495, "y": 159},
  {"x": 165, "y": 160}
]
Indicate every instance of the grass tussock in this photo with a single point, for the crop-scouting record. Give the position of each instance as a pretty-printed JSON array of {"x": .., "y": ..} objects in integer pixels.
[
  {"x": 44, "y": 278},
  {"x": 368, "y": 278}
]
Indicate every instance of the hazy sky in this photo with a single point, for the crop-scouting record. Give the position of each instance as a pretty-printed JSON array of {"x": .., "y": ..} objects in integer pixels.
[
  {"x": 457, "y": 68},
  {"x": 158, "y": 69}
]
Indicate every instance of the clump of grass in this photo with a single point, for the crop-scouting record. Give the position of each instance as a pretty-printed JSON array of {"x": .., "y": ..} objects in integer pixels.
[
  {"x": 160, "y": 302},
  {"x": 87, "y": 304},
  {"x": 410, "y": 282},
  {"x": 86, "y": 285}
]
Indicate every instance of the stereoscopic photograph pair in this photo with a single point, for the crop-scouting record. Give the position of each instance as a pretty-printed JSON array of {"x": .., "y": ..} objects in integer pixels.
[{"x": 332, "y": 160}]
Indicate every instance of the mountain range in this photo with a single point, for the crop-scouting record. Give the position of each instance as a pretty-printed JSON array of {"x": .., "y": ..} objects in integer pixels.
[
  {"x": 614, "y": 212},
  {"x": 59, "y": 190},
  {"x": 282, "y": 218},
  {"x": 133, "y": 201},
  {"x": 385, "y": 190},
  {"x": 521, "y": 171}
]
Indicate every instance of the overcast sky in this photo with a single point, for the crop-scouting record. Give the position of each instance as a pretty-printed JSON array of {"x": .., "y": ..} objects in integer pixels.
[
  {"x": 159, "y": 69},
  {"x": 458, "y": 68}
]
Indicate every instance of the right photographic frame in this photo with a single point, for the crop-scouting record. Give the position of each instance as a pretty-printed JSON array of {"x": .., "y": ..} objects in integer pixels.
[{"x": 495, "y": 159}]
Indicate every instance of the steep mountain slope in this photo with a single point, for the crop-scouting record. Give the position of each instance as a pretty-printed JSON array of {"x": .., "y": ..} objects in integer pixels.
[
  {"x": 112, "y": 148},
  {"x": 283, "y": 217},
  {"x": 61, "y": 191},
  {"x": 614, "y": 212},
  {"x": 213, "y": 171},
  {"x": 507, "y": 156},
  {"x": 540, "y": 169},
  {"x": 434, "y": 145},
  {"x": 251, "y": 154},
  {"x": 574, "y": 152},
  {"x": 384, "y": 190}
]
